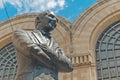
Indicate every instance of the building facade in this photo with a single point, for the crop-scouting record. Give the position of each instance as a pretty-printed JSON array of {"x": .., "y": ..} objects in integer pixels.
[{"x": 91, "y": 42}]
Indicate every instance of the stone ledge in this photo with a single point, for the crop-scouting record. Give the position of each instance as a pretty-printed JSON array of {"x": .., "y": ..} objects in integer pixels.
[{"x": 81, "y": 60}]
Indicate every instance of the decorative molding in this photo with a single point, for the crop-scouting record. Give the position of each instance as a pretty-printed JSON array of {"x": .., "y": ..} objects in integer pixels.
[
  {"x": 18, "y": 17},
  {"x": 62, "y": 21},
  {"x": 87, "y": 12},
  {"x": 65, "y": 23},
  {"x": 81, "y": 60}
]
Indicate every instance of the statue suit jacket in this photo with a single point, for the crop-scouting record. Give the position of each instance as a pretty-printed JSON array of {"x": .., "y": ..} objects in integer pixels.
[{"x": 33, "y": 50}]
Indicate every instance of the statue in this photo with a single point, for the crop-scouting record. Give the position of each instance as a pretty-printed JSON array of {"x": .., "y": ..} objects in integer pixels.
[{"x": 38, "y": 55}]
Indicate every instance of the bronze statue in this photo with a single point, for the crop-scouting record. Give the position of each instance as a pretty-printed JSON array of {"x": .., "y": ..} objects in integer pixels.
[{"x": 38, "y": 55}]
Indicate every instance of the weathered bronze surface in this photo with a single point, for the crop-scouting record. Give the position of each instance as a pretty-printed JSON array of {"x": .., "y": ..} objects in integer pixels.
[{"x": 38, "y": 55}]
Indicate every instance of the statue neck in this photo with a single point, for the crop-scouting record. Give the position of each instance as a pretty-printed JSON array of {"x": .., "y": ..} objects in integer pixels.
[{"x": 45, "y": 33}]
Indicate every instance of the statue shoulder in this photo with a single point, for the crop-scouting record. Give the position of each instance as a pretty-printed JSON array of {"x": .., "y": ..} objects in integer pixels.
[{"x": 20, "y": 34}]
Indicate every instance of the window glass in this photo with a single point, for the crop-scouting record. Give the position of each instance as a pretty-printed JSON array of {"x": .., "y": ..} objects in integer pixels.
[
  {"x": 8, "y": 63},
  {"x": 108, "y": 53}
]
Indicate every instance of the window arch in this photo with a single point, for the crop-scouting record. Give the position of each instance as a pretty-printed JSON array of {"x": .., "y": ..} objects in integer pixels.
[
  {"x": 8, "y": 63},
  {"x": 108, "y": 53}
]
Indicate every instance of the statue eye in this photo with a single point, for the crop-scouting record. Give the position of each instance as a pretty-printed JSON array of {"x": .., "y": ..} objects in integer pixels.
[{"x": 52, "y": 16}]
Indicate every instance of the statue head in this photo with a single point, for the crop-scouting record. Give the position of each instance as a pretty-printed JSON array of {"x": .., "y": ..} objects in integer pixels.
[{"x": 46, "y": 20}]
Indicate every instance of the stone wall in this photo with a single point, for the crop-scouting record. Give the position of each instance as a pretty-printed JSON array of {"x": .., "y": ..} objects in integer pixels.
[{"x": 78, "y": 39}]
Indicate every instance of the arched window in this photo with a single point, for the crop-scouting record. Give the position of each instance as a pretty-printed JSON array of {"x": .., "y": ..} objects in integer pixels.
[
  {"x": 8, "y": 63},
  {"x": 108, "y": 53}
]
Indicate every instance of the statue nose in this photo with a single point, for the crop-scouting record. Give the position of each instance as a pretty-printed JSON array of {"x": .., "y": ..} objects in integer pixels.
[{"x": 52, "y": 21}]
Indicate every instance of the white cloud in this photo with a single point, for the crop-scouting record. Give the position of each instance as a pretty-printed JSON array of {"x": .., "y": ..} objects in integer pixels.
[
  {"x": 51, "y": 4},
  {"x": 61, "y": 3},
  {"x": 1, "y": 4},
  {"x": 24, "y": 6},
  {"x": 72, "y": 0}
]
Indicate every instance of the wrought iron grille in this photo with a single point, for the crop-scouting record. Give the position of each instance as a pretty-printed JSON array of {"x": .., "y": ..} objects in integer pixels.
[
  {"x": 108, "y": 53},
  {"x": 8, "y": 63}
]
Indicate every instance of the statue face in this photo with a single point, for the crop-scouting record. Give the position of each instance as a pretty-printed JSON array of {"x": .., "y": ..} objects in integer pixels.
[
  {"x": 52, "y": 20},
  {"x": 48, "y": 21}
]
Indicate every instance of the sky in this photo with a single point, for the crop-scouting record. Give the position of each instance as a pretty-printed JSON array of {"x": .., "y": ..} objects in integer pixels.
[{"x": 69, "y": 9}]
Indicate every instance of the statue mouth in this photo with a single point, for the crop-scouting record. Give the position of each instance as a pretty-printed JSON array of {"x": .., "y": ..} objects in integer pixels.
[{"x": 52, "y": 24}]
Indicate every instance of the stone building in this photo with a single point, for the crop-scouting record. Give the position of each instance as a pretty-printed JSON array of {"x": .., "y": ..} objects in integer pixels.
[{"x": 92, "y": 42}]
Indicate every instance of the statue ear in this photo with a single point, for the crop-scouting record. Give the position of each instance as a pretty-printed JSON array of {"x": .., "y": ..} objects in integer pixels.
[
  {"x": 37, "y": 18},
  {"x": 37, "y": 21}
]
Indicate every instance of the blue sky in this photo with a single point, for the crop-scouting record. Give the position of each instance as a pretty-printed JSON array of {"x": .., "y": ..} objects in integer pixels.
[{"x": 69, "y": 9}]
